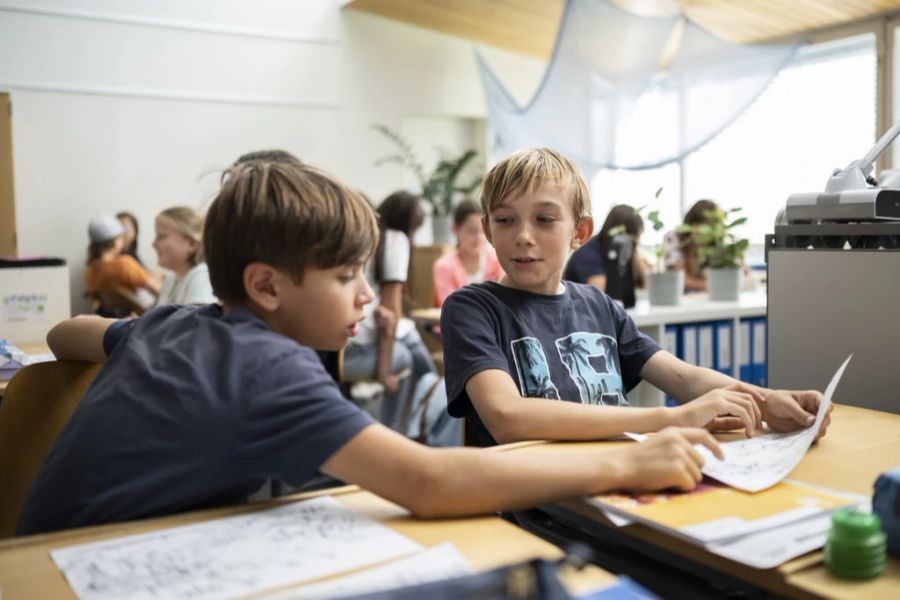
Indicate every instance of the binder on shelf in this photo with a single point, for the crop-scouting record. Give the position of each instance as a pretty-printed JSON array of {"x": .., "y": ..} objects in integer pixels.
[
  {"x": 759, "y": 352},
  {"x": 705, "y": 345},
  {"x": 745, "y": 354},
  {"x": 671, "y": 344},
  {"x": 724, "y": 349},
  {"x": 689, "y": 343}
]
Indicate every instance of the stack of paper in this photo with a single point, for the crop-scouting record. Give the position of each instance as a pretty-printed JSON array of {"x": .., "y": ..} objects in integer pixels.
[
  {"x": 760, "y": 520},
  {"x": 12, "y": 359}
]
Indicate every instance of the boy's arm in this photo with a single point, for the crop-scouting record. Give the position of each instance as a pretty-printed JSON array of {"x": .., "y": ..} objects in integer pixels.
[
  {"x": 510, "y": 417},
  {"x": 451, "y": 482},
  {"x": 80, "y": 338},
  {"x": 391, "y": 299}
]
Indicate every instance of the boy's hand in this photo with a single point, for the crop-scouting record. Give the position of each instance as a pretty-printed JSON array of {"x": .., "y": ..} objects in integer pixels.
[
  {"x": 723, "y": 409},
  {"x": 787, "y": 410},
  {"x": 667, "y": 460}
]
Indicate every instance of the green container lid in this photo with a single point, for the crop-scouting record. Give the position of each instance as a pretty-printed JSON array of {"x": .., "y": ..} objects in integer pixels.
[{"x": 856, "y": 545}]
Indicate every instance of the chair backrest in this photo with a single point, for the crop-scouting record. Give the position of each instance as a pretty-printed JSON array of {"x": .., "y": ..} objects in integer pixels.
[
  {"x": 118, "y": 302},
  {"x": 420, "y": 280},
  {"x": 36, "y": 405}
]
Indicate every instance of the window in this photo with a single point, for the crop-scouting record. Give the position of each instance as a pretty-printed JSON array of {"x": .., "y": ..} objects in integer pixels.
[{"x": 817, "y": 114}]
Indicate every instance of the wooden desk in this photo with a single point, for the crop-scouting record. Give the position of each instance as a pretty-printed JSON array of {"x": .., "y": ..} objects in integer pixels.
[
  {"x": 426, "y": 316},
  {"x": 26, "y": 570},
  {"x": 860, "y": 445},
  {"x": 29, "y": 349}
]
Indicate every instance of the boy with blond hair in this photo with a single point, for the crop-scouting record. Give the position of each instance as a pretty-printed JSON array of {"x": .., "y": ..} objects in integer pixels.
[
  {"x": 510, "y": 346},
  {"x": 196, "y": 406}
]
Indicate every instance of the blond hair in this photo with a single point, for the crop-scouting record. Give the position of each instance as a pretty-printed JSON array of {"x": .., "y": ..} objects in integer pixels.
[
  {"x": 288, "y": 215},
  {"x": 186, "y": 222},
  {"x": 526, "y": 170}
]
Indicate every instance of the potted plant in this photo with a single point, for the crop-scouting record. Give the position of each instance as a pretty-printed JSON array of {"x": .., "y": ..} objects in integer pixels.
[
  {"x": 664, "y": 288},
  {"x": 439, "y": 188},
  {"x": 720, "y": 252}
]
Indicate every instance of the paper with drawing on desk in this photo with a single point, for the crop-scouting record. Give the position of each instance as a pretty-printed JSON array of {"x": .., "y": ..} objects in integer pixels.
[
  {"x": 234, "y": 556},
  {"x": 760, "y": 462}
]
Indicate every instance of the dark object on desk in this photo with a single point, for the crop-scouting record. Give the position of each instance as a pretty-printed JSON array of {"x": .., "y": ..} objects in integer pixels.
[
  {"x": 34, "y": 261},
  {"x": 534, "y": 580},
  {"x": 618, "y": 262},
  {"x": 886, "y": 504}
]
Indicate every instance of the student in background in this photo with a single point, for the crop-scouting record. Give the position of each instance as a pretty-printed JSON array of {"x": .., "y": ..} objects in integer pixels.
[
  {"x": 179, "y": 249},
  {"x": 681, "y": 252},
  {"x": 510, "y": 346},
  {"x": 195, "y": 407},
  {"x": 388, "y": 347},
  {"x": 587, "y": 264},
  {"x": 130, "y": 235},
  {"x": 108, "y": 270},
  {"x": 473, "y": 260}
]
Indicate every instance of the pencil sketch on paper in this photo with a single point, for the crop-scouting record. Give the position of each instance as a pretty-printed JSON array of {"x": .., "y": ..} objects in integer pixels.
[
  {"x": 760, "y": 462},
  {"x": 234, "y": 556}
]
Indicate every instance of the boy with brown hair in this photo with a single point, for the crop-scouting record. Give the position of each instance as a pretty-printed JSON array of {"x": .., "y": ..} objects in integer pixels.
[
  {"x": 197, "y": 406},
  {"x": 509, "y": 346}
]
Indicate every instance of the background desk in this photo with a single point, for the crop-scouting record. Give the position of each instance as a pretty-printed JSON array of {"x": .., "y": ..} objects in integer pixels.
[
  {"x": 26, "y": 570},
  {"x": 30, "y": 349},
  {"x": 860, "y": 445}
]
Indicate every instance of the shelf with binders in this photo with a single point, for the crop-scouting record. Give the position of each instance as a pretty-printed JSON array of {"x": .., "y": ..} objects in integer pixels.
[{"x": 725, "y": 336}]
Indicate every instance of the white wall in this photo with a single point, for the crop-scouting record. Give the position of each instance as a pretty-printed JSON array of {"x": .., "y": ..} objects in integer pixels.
[{"x": 137, "y": 104}]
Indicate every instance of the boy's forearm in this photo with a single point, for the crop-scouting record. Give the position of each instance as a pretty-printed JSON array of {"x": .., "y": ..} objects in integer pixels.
[
  {"x": 80, "y": 338},
  {"x": 537, "y": 418}
]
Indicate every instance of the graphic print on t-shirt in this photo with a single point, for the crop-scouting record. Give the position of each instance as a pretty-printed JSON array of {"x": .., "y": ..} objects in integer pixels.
[
  {"x": 598, "y": 380},
  {"x": 533, "y": 369},
  {"x": 589, "y": 359}
]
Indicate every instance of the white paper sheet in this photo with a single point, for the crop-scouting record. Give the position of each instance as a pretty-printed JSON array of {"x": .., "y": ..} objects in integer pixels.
[
  {"x": 443, "y": 561},
  {"x": 234, "y": 556},
  {"x": 760, "y": 462}
]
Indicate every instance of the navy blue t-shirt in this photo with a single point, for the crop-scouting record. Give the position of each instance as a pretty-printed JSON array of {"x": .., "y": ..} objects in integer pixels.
[
  {"x": 586, "y": 262},
  {"x": 579, "y": 345},
  {"x": 193, "y": 409}
]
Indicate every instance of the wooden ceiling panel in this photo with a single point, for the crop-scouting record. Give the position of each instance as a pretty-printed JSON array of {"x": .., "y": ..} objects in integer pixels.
[{"x": 529, "y": 26}]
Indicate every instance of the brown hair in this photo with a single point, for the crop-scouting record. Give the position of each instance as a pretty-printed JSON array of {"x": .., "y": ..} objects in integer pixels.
[
  {"x": 621, "y": 214},
  {"x": 188, "y": 223},
  {"x": 288, "y": 215},
  {"x": 696, "y": 215},
  {"x": 526, "y": 170},
  {"x": 465, "y": 209}
]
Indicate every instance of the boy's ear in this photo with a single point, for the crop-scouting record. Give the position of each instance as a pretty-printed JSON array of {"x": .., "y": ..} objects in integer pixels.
[
  {"x": 583, "y": 230},
  {"x": 261, "y": 284},
  {"x": 486, "y": 227}
]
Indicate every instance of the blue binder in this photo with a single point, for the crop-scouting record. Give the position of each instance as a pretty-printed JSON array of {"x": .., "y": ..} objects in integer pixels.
[
  {"x": 671, "y": 344},
  {"x": 745, "y": 353},
  {"x": 724, "y": 347},
  {"x": 760, "y": 368},
  {"x": 689, "y": 343},
  {"x": 706, "y": 355}
]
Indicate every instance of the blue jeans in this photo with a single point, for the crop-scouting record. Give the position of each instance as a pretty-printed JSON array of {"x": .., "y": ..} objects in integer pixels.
[{"x": 409, "y": 352}]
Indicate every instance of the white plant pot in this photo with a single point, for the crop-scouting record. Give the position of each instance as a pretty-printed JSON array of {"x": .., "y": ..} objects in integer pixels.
[
  {"x": 665, "y": 289},
  {"x": 724, "y": 284},
  {"x": 440, "y": 228}
]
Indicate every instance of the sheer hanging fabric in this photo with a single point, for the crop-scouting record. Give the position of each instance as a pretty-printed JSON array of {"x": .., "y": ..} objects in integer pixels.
[{"x": 629, "y": 92}]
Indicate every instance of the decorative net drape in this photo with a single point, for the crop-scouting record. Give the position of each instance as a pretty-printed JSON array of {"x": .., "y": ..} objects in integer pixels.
[{"x": 606, "y": 101}]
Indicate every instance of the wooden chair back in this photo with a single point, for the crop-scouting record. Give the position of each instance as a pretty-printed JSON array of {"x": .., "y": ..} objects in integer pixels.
[{"x": 37, "y": 404}]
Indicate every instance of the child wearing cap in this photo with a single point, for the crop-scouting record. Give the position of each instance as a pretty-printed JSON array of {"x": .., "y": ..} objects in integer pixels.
[{"x": 108, "y": 270}]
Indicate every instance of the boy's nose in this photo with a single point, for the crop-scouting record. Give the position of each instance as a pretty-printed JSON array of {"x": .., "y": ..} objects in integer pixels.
[
  {"x": 524, "y": 236},
  {"x": 367, "y": 295}
]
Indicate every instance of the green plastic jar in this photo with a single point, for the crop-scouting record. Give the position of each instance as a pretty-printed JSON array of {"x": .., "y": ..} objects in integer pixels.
[{"x": 856, "y": 547}]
